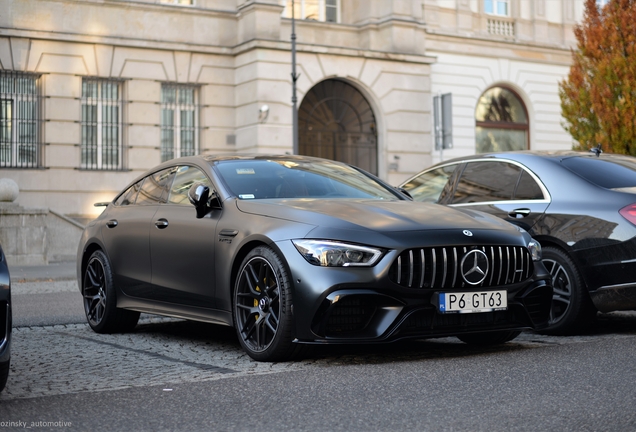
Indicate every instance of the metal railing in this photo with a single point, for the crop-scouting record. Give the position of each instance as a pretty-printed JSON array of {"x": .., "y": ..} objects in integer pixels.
[
  {"x": 20, "y": 120},
  {"x": 102, "y": 124}
]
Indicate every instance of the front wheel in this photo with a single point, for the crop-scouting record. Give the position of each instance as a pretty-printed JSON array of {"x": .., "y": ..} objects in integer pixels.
[
  {"x": 262, "y": 306},
  {"x": 100, "y": 299},
  {"x": 572, "y": 308},
  {"x": 489, "y": 338}
]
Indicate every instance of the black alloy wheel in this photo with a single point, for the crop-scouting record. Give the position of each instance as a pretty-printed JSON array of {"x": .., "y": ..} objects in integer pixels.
[
  {"x": 572, "y": 308},
  {"x": 262, "y": 306},
  {"x": 489, "y": 338},
  {"x": 100, "y": 299}
]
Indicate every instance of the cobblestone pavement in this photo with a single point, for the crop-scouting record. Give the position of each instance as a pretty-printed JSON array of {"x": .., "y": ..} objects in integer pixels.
[
  {"x": 62, "y": 359},
  {"x": 72, "y": 358}
]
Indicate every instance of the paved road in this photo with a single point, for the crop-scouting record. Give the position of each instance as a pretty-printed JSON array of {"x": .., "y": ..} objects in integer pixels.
[{"x": 178, "y": 375}]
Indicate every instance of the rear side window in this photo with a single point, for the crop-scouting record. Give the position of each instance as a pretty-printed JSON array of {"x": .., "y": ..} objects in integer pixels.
[
  {"x": 610, "y": 173},
  {"x": 155, "y": 187},
  {"x": 527, "y": 188},
  {"x": 486, "y": 181},
  {"x": 429, "y": 185}
]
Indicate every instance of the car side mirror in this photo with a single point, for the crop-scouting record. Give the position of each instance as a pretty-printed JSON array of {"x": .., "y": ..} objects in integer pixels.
[
  {"x": 405, "y": 192},
  {"x": 203, "y": 199}
]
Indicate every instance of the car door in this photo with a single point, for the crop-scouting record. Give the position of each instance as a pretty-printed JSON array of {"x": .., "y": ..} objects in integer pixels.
[
  {"x": 182, "y": 246},
  {"x": 504, "y": 189},
  {"x": 126, "y": 234}
]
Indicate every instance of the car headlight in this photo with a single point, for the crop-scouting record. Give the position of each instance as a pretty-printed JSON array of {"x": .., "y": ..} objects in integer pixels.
[
  {"x": 335, "y": 254},
  {"x": 534, "y": 247}
]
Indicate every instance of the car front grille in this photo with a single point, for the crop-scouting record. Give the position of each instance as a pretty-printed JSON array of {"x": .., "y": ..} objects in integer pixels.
[{"x": 441, "y": 267}]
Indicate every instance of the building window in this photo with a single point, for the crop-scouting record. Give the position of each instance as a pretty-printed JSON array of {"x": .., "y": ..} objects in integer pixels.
[
  {"x": 19, "y": 120},
  {"x": 102, "y": 126},
  {"x": 179, "y": 120},
  {"x": 497, "y": 7},
  {"x": 317, "y": 10},
  {"x": 501, "y": 121}
]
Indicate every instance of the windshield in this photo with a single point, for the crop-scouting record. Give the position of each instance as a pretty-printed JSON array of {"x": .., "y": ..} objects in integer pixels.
[{"x": 295, "y": 178}]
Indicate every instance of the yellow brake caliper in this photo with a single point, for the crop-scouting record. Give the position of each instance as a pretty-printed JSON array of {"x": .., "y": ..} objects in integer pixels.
[{"x": 256, "y": 303}]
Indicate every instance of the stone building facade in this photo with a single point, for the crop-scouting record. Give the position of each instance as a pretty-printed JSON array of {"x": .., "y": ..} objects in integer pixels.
[{"x": 94, "y": 92}]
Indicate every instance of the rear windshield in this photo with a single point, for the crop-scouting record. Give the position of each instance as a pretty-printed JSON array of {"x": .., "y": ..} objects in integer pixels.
[{"x": 610, "y": 173}]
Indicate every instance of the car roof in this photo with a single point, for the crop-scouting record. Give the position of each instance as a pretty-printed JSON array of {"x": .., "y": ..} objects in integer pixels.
[{"x": 554, "y": 155}]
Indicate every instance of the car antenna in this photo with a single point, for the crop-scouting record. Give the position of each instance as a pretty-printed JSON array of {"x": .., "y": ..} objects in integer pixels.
[{"x": 597, "y": 150}]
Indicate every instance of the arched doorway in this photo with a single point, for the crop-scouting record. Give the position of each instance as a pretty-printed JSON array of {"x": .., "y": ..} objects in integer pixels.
[
  {"x": 336, "y": 122},
  {"x": 501, "y": 121}
]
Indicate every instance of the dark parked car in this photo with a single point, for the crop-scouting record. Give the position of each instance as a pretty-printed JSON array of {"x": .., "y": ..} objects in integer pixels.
[
  {"x": 297, "y": 250},
  {"x": 581, "y": 208},
  {"x": 5, "y": 320}
]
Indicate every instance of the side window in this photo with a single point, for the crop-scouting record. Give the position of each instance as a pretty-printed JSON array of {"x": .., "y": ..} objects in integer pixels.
[
  {"x": 428, "y": 186},
  {"x": 130, "y": 196},
  {"x": 486, "y": 181},
  {"x": 185, "y": 177},
  {"x": 527, "y": 189},
  {"x": 155, "y": 187}
]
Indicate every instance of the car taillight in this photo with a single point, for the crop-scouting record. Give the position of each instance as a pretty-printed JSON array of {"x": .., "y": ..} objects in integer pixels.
[{"x": 629, "y": 213}]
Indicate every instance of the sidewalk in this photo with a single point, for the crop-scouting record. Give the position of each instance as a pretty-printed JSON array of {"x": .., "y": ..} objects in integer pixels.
[{"x": 59, "y": 271}]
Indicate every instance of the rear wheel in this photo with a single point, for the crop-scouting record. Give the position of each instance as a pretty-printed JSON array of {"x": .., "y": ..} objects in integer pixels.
[
  {"x": 572, "y": 309},
  {"x": 262, "y": 306},
  {"x": 489, "y": 338},
  {"x": 100, "y": 299}
]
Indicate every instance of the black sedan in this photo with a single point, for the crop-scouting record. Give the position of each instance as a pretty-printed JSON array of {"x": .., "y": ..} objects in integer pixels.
[
  {"x": 5, "y": 320},
  {"x": 296, "y": 250},
  {"x": 580, "y": 206}
]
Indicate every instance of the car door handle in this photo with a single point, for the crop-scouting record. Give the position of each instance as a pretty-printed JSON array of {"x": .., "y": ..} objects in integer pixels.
[
  {"x": 161, "y": 223},
  {"x": 519, "y": 213},
  {"x": 112, "y": 223}
]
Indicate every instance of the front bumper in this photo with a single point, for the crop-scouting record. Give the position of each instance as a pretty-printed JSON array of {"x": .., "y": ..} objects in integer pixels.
[{"x": 362, "y": 305}]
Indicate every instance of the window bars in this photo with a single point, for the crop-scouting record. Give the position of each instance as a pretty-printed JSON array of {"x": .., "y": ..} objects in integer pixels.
[
  {"x": 102, "y": 124},
  {"x": 179, "y": 120},
  {"x": 20, "y": 120}
]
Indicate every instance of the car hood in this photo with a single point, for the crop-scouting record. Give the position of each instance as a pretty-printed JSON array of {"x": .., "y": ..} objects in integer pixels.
[{"x": 375, "y": 215}]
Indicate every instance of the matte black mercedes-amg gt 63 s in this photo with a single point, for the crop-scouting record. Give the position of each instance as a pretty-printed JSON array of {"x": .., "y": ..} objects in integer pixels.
[
  {"x": 296, "y": 250},
  {"x": 580, "y": 206}
]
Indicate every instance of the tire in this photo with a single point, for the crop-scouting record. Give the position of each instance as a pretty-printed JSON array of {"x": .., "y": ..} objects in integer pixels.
[
  {"x": 100, "y": 298},
  {"x": 489, "y": 338},
  {"x": 262, "y": 303},
  {"x": 4, "y": 374},
  {"x": 572, "y": 310}
]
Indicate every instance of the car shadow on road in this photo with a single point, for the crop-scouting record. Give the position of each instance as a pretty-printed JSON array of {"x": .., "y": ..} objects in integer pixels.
[{"x": 222, "y": 337}]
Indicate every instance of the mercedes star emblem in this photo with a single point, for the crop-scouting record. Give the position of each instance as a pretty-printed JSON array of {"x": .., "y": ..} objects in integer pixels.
[{"x": 474, "y": 267}]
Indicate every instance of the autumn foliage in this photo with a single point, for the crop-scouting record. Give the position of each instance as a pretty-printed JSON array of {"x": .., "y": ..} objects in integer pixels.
[{"x": 598, "y": 98}]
